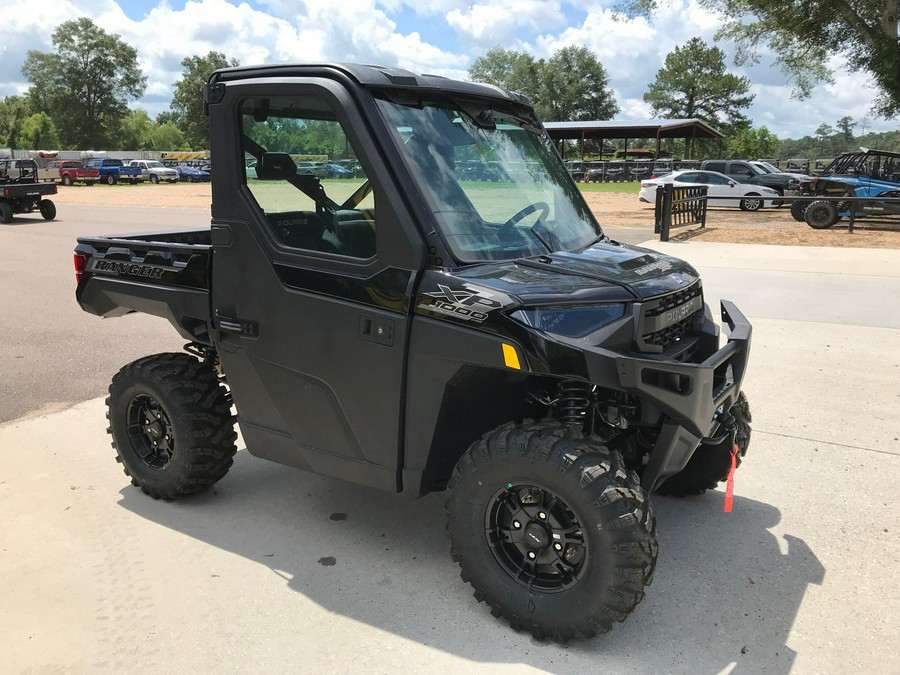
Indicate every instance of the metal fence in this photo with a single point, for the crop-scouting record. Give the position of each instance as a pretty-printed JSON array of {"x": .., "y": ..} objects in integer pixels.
[{"x": 677, "y": 207}]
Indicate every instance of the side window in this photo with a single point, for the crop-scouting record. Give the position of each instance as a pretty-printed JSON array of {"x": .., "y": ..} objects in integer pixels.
[
  {"x": 303, "y": 172},
  {"x": 713, "y": 179},
  {"x": 716, "y": 166}
]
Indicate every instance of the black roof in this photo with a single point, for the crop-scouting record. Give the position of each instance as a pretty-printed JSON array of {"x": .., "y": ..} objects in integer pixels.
[{"x": 375, "y": 77}]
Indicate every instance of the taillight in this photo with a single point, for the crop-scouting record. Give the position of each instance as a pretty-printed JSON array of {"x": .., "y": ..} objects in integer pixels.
[{"x": 80, "y": 262}]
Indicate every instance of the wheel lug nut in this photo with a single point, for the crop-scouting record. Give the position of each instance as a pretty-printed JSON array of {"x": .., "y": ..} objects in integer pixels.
[
  {"x": 542, "y": 515},
  {"x": 558, "y": 547},
  {"x": 517, "y": 524},
  {"x": 532, "y": 555}
]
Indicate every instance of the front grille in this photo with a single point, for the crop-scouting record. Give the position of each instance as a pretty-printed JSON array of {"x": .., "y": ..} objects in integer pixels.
[{"x": 667, "y": 320}]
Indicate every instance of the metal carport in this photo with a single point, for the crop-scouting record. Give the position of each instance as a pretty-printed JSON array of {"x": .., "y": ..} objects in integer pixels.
[{"x": 689, "y": 129}]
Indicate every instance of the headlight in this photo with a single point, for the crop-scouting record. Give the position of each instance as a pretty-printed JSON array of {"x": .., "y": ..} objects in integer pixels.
[{"x": 574, "y": 322}]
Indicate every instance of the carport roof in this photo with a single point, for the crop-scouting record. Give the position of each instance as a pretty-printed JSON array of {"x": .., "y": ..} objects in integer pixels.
[{"x": 678, "y": 128}]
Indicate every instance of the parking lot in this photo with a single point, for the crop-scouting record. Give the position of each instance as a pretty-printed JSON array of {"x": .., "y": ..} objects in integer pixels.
[{"x": 277, "y": 570}]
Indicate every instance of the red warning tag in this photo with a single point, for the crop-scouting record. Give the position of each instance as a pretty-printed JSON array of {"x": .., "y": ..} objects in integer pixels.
[{"x": 729, "y": 483}]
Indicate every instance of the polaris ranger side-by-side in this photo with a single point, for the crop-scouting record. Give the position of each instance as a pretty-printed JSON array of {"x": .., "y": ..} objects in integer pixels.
[{"x": 414, "y": 331}]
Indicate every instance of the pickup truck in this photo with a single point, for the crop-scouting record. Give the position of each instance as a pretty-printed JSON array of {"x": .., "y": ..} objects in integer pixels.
[
  {"x": 114, "y": 170},
  {"x": 746, "y": 172},
  {"x": 414, "y": 331},
  {"x": 154, "y": 170},
  {"x": 22, "y": 192},
  {"x": 68, "y": 171}
]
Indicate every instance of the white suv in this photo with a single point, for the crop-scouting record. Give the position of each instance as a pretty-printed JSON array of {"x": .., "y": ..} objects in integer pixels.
[{"x": 155, "y": 170}]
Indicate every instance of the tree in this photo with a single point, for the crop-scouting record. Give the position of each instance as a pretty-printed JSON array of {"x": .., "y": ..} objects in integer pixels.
[
  {"x": 168, "y": 137},
  {"x": 136, "y": 132},
  {"x": 85, "y": 85},
  {"x": 845, "y": 128},
  {"x": 187, "y": 101},
  {"x": 575, "y": 86},
  {"x": 507, "y": 68},
  {"x": 693, "y": 84},
  {"x": 571, "y": 85},
  {"x": 806, "y": 35},
  {"x": 14, "y": 110},
  {"x": 38, "y": 132},
  {"x": 753, "y": 144}
]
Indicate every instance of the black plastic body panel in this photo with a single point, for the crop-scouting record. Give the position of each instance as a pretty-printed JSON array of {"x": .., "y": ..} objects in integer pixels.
[{"x": 163, "y": 274}]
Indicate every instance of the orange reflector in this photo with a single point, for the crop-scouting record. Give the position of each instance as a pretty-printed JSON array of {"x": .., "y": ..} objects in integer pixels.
[{"x": 510, "y": 357}]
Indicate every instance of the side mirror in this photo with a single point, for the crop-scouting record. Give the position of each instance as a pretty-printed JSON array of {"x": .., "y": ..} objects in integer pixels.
[
  {"x": 275, "y": 166},
  {"x": 731, "y": 183}
]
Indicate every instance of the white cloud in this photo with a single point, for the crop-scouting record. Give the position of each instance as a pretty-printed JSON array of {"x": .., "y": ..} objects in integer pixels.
[
  {"x": 444, "y": 39},
  {"x": 496, "y": 22}
]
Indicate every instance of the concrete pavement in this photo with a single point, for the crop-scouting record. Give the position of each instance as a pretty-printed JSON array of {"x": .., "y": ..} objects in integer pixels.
[{"x": 800, "y": 577}]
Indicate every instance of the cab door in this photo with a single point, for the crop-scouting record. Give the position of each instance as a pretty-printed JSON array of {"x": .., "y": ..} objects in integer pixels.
[{"x": 312, "y": 281}]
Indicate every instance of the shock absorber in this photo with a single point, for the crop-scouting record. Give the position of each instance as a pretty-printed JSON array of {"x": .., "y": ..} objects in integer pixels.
[{"x": 572, "y": 403}]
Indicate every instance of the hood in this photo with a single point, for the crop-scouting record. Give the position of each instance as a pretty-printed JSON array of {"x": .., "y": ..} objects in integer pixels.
[{"x": 604, "y": 272}]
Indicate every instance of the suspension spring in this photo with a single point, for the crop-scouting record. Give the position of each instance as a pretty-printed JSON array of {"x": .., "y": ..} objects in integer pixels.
[{"x": 572, "y": 403}]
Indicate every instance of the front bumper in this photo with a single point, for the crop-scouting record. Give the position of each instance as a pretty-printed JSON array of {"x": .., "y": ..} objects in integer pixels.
[{"x": 689, "y": 394}]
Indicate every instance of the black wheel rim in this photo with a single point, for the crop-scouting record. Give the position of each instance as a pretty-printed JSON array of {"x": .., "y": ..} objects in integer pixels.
[
  {"x": 536, "y": 538},
  {"x": 150, "y": 432}
]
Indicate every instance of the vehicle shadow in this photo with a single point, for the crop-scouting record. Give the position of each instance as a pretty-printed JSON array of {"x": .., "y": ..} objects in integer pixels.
[{"x": 725, "y": 595}]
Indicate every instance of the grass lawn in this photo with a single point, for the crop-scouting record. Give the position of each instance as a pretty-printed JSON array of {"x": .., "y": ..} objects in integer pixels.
[{"x": 624, "y": 188}]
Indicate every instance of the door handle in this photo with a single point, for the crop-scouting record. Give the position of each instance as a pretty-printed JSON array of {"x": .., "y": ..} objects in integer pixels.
[
  {"x": 377, "y": 330},
  {"x": 245, "y": 327}
]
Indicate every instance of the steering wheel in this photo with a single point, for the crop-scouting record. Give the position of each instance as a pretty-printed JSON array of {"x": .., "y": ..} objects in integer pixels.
[{"x": 543, "y": 207}]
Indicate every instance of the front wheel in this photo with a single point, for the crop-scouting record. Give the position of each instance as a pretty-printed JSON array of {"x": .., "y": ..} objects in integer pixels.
[
  {"x": 154, "y": 179},
  {"x": 822, "y": 215},
  {"x": 48, "y": 209},
  {"x": 551, "y": 530},
  {"x": 171, "y": 425},
  {"x": 753, "y": 203}
]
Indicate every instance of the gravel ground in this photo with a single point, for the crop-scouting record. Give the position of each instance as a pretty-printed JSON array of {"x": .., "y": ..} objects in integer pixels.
[{"x": 769, "y": 226}]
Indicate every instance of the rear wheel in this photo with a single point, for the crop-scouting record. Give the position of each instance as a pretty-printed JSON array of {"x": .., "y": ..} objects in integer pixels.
[
  {"x": 66, "y": 179},
  {"x": 751, "y": 204},
  {"x": 710, "y": 464},
  {"x": 6, "y": 212},
  {"x": 798, "y": 211},
  {"x": 111, "y": 179},
  {"x": 551, "y": 530},
  {"x": 48, "y": 209},
  {"x": 822, "y": 215},
  {"x": 171, "y": 425}
]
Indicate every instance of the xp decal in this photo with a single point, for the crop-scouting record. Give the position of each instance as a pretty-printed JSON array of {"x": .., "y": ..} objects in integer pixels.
[{"x": 460, "y": 303}]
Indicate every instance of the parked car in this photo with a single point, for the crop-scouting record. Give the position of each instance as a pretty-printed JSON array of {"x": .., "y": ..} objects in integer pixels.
[
  {"x": 768, "y": 167},
  {"x": 721, "y": 190},
  {"x": 114, "y": 170},
  {"x": 191, "y": 173},
  {"x": 69, "y": 171},
  {"x": 745, "y": 172},
  {"x": 154, "y": 170},
  {"x": 338, "y": 171},
  {"x": 319, "y": 169}
]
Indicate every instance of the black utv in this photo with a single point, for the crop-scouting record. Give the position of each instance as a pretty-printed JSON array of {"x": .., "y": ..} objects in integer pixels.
[{"x": 415, "y": 330}]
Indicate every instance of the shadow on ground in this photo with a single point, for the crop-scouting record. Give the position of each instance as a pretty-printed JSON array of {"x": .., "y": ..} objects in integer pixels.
[{"x": 725, "y": 595}]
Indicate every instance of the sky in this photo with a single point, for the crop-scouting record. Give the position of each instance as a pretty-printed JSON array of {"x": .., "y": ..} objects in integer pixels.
[{"x": 440, "y": 37}]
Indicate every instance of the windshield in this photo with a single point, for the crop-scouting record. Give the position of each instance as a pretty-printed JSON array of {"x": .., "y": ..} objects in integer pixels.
[
  {"x": 155, "y": 165},
  {"x": 497, "y": 188},
  {"x": 766, "y": 167}
]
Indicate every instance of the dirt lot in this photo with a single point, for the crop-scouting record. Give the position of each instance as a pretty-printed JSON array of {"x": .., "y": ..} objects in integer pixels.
[{"x": 769, "y": 226}]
